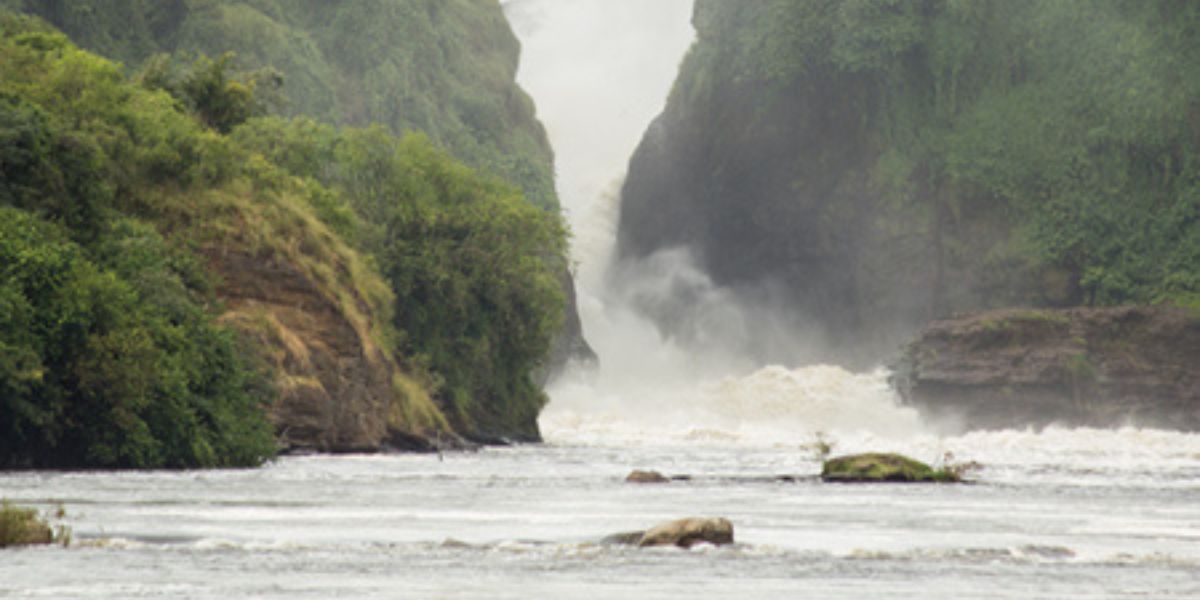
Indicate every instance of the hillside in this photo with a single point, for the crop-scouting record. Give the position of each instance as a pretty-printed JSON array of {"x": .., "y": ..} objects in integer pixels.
[
  {"x": 877, "y": 164},
  {"x": 443, "y": 67},
  {"x": 179, "y": 277}
]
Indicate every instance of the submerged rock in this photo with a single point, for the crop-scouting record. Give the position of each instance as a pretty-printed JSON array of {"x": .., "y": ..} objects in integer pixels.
[
  {"x": 639, "y": 476},
  {"x": 627, "y": 538},
  {"x": 879, "y": 467}
]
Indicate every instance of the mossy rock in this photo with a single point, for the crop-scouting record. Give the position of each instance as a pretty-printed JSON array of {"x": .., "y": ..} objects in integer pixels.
[
  {"x": 880, "y": 467},
  {"x": 22, "y": 527}
]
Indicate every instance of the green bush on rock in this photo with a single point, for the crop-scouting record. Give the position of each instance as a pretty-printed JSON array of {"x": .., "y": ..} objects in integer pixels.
[
  {"x": 879, "y": 467},
  {"x": 24, "y": 527}
]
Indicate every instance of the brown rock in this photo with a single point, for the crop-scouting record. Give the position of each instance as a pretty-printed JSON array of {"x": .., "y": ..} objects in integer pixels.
[
  {"x": 686, "y": 533},
  {"x": 638, "y": 476},
  {"x": 1081, "y": 366}
]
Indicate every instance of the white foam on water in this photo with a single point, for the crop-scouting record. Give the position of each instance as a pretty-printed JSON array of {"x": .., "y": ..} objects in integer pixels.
[{"x": 771, "y": 406}]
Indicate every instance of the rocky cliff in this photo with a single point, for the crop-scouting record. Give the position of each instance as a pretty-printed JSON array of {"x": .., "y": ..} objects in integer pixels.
[
  {"x": 337, "y": 391},
  {"x": 873, "y": 165},
  {"x": 1097, "y": 367}
]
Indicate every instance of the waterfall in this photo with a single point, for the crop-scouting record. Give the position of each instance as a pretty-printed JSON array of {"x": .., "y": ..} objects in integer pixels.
[{"x": 599, "y": 72}]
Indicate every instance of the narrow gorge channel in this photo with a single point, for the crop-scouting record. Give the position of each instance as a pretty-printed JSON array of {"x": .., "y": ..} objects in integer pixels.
[{"x": 600, "y": 73}]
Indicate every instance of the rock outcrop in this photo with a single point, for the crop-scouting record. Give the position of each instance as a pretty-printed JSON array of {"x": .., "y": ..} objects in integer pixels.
[
  {"x": 686, "y": 533},
  {"x": 882, "y": 468},
  {"x": 1082, "y": 366},
  {"x": 683, "y": 533},
  {"x": 639, "y": 476},
  {"x": 334, "y": 387}
]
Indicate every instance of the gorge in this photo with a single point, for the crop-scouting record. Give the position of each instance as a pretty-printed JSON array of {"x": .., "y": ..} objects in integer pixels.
[{"x": 736, "y": 340}]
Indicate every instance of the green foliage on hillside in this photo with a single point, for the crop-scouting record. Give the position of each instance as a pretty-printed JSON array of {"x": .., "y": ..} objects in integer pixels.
[
  {"x": 112, "y": 354},
  {"x": 936, "y": 155},
  {"x": 442, "y": 67},
  {"x": 472, "y": 265}
]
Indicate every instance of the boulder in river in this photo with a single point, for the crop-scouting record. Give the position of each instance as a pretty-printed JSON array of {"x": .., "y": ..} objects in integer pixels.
[
  {"x": 880, "y": 467},
  {"x": 686, "y": 533},
  {"x": 639, "y": 476}
]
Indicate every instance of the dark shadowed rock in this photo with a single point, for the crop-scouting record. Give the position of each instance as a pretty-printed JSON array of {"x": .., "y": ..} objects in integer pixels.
[
  {"x": 628, "y": 538},
  {"x": 1081, "y": 366}
]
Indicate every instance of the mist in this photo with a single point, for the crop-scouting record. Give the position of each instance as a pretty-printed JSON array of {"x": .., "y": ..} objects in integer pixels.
[{"x": 677, "y": 353}]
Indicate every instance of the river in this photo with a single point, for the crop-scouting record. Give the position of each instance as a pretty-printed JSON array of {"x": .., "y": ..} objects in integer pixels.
[{"x": 1058, "y": 514}]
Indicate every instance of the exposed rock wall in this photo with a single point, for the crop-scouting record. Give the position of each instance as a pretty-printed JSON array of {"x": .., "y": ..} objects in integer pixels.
[
  {"x": 1083, "y": 366},
  {"x": 334, "y": 389}
]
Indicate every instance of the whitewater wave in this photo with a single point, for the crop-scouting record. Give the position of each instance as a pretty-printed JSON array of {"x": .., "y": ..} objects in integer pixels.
[{"x": 772, "y": 406}]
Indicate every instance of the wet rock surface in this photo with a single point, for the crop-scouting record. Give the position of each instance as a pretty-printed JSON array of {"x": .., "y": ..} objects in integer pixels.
[
  {"x": 1098, "y": 367},
  {"x": 683, "y": 533}
]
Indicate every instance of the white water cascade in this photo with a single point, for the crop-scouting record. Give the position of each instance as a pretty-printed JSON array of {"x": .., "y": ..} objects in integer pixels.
[{"x": 599, "y": 72}]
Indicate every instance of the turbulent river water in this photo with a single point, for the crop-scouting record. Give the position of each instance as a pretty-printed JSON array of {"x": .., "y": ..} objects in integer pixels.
[{"x": 1056, "y": 514}]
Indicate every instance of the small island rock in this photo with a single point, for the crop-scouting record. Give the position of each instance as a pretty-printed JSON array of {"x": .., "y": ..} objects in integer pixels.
[
  {"x": 880, "y": 467},
  {"x": 686, "y": 533},
  {"x": 638, "y": 476}
]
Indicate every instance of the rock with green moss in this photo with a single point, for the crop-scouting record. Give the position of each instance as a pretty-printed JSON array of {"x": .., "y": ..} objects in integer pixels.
[
  {"x": 22, "y": 527},
  {"x": 881, "y": 467}
]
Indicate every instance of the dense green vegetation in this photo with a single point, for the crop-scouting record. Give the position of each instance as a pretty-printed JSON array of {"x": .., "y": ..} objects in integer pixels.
[
  {"x": 111, "y": 355},
  {"x": 24, "y": 526},
  {"x": 908, "y": 159},
  {"x": 472, "y": 265},
  {"x": 442, "y": 67},
  {"x": 116, "y": 190}
]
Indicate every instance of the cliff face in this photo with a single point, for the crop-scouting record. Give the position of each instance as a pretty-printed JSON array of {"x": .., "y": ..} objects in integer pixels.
[
  {"x": 335, "y": 388},
  {"x": 1097, "y": 367},
  {"x": 879, "y": 164}
]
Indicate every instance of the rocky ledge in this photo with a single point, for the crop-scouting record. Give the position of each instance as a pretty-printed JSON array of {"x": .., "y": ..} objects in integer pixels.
[{"x": 1098, "y": 367}]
